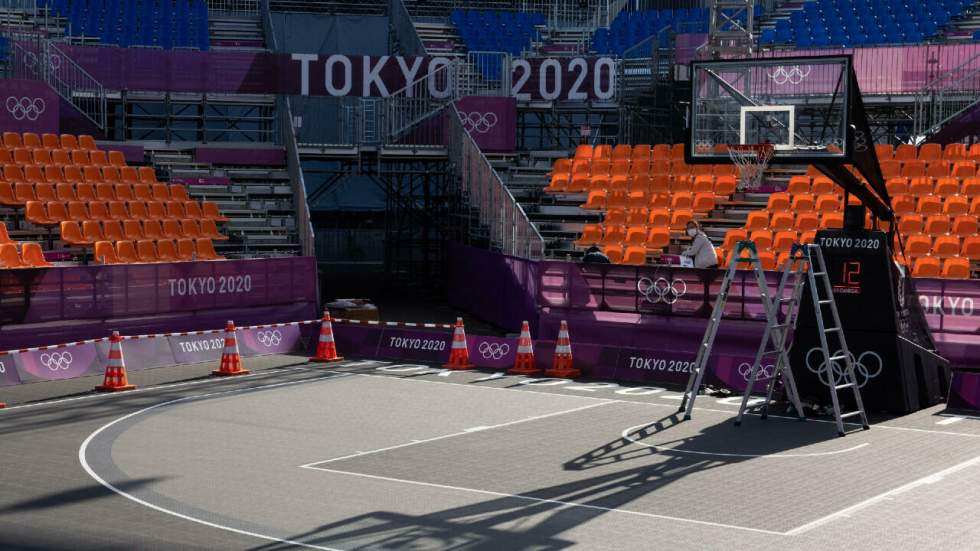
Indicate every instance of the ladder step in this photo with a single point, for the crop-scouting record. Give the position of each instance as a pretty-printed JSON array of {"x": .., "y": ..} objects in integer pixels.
[
  {"x": 819, "y": 274},
  {"x": 780, "y": 325},
  {"x": 835, "y": 358},
  {"x": 787, "y": 299},
  {"x": 831, "y": 329},
  {"x": 850, "y": 414},
  {"x": 824, "y": 301},
  {"x": 845, "y": 385}
]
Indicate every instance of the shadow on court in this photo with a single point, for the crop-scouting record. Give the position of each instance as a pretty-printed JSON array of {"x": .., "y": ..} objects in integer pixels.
[{"x": 537, "y": 519}]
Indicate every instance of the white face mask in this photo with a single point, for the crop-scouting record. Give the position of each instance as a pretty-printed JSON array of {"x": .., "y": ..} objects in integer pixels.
[{"x": 692, "y": 232}]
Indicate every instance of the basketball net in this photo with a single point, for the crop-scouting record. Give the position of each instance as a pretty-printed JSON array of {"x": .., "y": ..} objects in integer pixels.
[{"x": 751, "y": 160}]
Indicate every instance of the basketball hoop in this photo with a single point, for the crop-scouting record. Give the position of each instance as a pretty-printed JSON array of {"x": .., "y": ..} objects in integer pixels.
[{"x": 751, "y": 160}]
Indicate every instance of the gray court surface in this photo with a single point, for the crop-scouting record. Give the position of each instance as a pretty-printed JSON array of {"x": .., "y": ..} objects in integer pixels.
[{"x": 376, "y": 455}]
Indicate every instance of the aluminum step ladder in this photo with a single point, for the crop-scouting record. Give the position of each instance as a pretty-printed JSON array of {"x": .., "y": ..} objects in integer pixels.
[
  {"x": 775, "y": 331},
  {"x": 831, "y": 374}
]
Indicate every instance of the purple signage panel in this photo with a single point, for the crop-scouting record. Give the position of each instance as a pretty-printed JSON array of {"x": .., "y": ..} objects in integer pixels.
[
  {"x": 491, "y": 122},
  {"x": 190, "y": 349},
  {"x": 352, "y": 340},
  {"x": 28, "y": 106},
  {"x": 8, "y": 371},
  {"x": 59, "y": 363},
  {"x": 407, "y": 344},
  {"x": 272, "y": 340},
  {"x": 141, "y": 353},
  {"x": 492, "y": 352}
]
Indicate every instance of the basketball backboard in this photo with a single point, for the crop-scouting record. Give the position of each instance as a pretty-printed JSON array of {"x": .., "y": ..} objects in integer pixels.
[{"x": 799, "y": 105}]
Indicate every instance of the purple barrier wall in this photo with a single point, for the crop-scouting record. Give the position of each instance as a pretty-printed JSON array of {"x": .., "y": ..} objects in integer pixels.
[
  {"x": 28, "y": 106},
  {"x": 663, "y": 308},
  {"x": 39, "y": 307},
  {"x": 261, "y": 156},
  {"x": 498, "y": 288},
  {"x": 562, "y": 78},
  {"x": 881, "y": 70},
  {"x": 491, "y": 122}
]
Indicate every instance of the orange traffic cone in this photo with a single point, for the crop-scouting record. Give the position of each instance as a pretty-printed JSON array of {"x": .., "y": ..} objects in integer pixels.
[
  {"x": 524, "y": 363},
  {"x": 115, "y": 369},
  {"x": 326, "y": 348},
  {"x": 459, "y": 355},
  {"x": 231, "y": 359},
  {"x": 561, "y": 364}
]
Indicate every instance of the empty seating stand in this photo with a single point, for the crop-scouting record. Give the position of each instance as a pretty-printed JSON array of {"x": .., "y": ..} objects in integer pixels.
[
  {"x": 69, "y": 188},
  {"x": 497, "y": 31},
  {"x": 162, "y": 23},
  {"x": 855, "y": 23},
  {"x": 631, "y": 28}
]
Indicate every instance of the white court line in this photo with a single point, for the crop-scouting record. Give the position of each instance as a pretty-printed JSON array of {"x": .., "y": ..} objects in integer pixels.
[
  {"x": 730, "y": 413},
  {"x": 455, "y": 434},
  {"x": 949, "y": 420},
  {"x": 554, "y": 501},
  {"x": 928, "y": 479},
  {"x": 626, "y": 436},
  {"x": 82, "y": 451}
]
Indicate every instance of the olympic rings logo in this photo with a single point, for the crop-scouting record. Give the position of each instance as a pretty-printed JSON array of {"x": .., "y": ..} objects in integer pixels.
[
  {"x": 661, "y": 290},
  {"x": 25, "y": 108},
  {"x": 269, "y": 339},
  {"x": 480, "y": 122},
  {"x": 54, "y": 60},
  {"x": 765, "y": 371},
  {"x": 860, "y": 141},
  {"x": 793, "y": 75},
  {"x": 56, "y": 360},
  {"x": 703, "y": 146},
  {"x": 867, "y": 366},
  {"x": 493, "y": 350}
]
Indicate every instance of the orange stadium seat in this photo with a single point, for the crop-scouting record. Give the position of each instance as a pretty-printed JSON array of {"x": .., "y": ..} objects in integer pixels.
[
  {"x": 938, "y": 169},
  {"x": 828, "y": 202},
  {"x": 44, "y": 192},
  {"x": 126, "y": 252},
  {"x": 911, "y": 223},
  {"x": 69, "y": 141},
  {"x": 906, "y": 152},
  {"x": 112, "y": 230},
  {"x": 903, "y": 204},
  {"x": 191, "y": 228},
  {"x": 658, "y": 238},
  {"x": 24, "y": 192},
  {"x": 956, "y": 268},
  {"x": 58, "y": 211},
  {"x": 926, "y": 266},
  {"x": 890, "y": 169},
  {"x": 781, "y": 221},
  {"x": 185, "y": 249},
  {"x": 965, "y": 225},
  {"x": 762, "y": 238},
  {"x": 757, "y": 220},
  {"x": 110, "y": 174},
  {"x": 617, "y": 200},
  {"x": 71, "y": 234},
  {"x": 635, "y": 255},
  {"x": 913, "y": 168},
  {"x": 733, "y": 236},
  {"x": 703, "y": 202},
  {"x": 830, "y": 220},
  {"x": 936, "y": 225},
  {"x": 105, "y": 253},
  {"x": 954, "y": 151},
  {"x": 703, "y": 183},
  {"x": 86, "y": 142},
  {"x": 171, "y": 229},
  {"x": 682, "y": 200},
  {"x": 91, "y": 231},
  {"x": 129, "y": 175},
  {"x": 98, "y": 159},
  {"x": 146, "y": 250},
  {"x": 50, "y": 141},
  {"x": 583, "y": 151},
  {"x": 596, "y": 200},
  {"x": 33, "y": 256},
  {"x": 591, "y": 235},
  {"x": 680, "y": 218},
  {"x": 8, "y": 254},
  {"x": 946, "y": 246},
  {"x": 918, "y": 245},
  {"x": 725, "y": 185},
  {"x": 971, "y": 247},
  {"x": 35, "y": 213},
  {"x": 155, "y": 210},
  {"x": 133, "y": 230},
  {"x": 613, "y": 252},
  {"x": 807, "y": 221},
  {"x": 152, "y": 229},
  {"x": 897, "y": 185},
  {"x": 659, "y": 217},
  {"x": 7, "y": 196},
  {"x": 660, "y": 184},
  {"x": 955, "y": 205},
  {"x": 661, "y": 151},
  {"x": 622, "y": 152},
  {"x": 784, "y": 240},
  {"x": 798, "y": 184},
  {"x": 167, "y": 250},
  {"x": 636, "y": 216},
  {"x": 147, "y": 175},
  {"x": 822, "y": 184},
  {"x": 211, "y": 211},
  {"x": 641, "y": 152},
  {"x": 884, "y": 151},
  {"x": 11, "y": 140},
  {"x": 964, "y": 169},
  {"x": 778, "y": 201},
  {"x": 209, "y": 229},
  {"x": 602, "y": 151},
  {"x": 920, "y": 185},
  {"x": 930, "y": 151},
  {"x": 117, "y": 159},
  {"x": 612, "y": 234},
  {"x": 635, "y": 235},
  {"x": 804, "y": 202}
]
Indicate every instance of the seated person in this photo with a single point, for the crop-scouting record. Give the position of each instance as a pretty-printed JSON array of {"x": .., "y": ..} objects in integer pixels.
[{"x": 594, "y": 255}]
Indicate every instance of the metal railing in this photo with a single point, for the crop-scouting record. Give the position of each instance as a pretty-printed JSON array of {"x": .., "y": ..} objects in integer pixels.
[
  {"x": 484, "y": 74},
  {"x": 408, "y": 115},
  {"x": 560, "y": 14},
  {"x": 947, "y": 96},
  {"x": 234, "y": 8},
  {"x": 409, "y": 43},
  {"x": 304, "y": 224},
  {"x": 38, "y": 58},
  {"x": 510, "y": 230}
]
